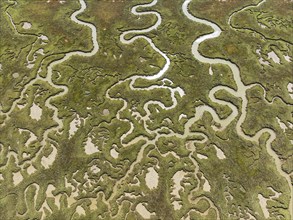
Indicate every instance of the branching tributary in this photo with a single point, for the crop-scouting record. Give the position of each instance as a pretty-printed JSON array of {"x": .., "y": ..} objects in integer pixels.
[
  {"x": 48, "y": 77},
  {"x": 240, "y": 93},
  {"x": 198, "y": 137}
]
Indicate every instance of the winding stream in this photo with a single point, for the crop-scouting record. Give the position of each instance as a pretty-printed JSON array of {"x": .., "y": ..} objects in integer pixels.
[
  {"x": 48, "y": 77},
  {"x": 200, "y": 110},
  {"x": 65, "y": 58},
  {"x": 187, "y": 133},
  {"x": 241, "y": 93}
]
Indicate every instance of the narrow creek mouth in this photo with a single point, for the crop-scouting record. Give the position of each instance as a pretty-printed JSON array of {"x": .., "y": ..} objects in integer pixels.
[{"x": 194, "y": 138}]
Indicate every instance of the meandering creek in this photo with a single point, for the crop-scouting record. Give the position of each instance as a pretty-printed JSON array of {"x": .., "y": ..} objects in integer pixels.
[
  {"x": 241, "y": 93},
  {"x": 236, "y": 114},
  {"x": 173, "y": 91}
]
